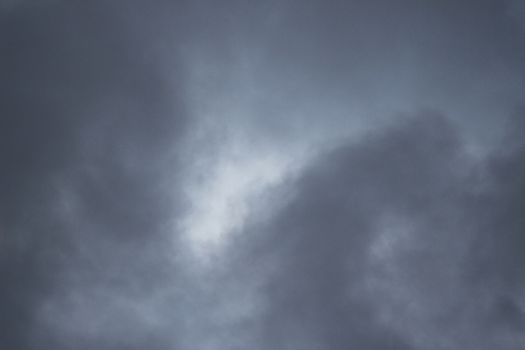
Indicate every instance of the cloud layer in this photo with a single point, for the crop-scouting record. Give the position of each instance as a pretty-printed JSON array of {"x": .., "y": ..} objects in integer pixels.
[
  {"x": 278, "y": 175},
  {"x": 402, "y": 241}
]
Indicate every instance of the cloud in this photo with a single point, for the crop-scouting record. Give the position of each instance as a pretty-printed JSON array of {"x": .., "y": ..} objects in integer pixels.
[
  {"x": 347, "y": 167},
  {"x": 88, "y": 130},
  {"x": 400, "y": 241}
]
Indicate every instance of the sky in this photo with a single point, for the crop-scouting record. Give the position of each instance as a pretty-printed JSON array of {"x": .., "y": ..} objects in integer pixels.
[{"x": 280, "y": 174}]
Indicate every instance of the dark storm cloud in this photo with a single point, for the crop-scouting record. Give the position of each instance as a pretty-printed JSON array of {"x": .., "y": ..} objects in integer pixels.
[
  {"x": 400, "y": 241},
  {"x": 400, "y": 237},
  {"x": 88, "y": 125}
]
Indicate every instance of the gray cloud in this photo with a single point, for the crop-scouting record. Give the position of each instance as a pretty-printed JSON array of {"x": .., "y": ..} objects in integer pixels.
[
  {"x": 401, "y": 241},
  {"x": 88, "y": 128},
  {"x": 352, "y": 163}
]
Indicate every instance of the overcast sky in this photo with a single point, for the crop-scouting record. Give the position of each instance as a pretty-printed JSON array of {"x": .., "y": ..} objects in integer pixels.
[{"x": 264, "y": 175}]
